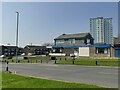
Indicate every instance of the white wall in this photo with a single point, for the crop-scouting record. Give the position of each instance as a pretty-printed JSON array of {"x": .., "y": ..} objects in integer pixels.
[
  {"x": 84, "y": 51},
  {"x": 57, "y": 54}
]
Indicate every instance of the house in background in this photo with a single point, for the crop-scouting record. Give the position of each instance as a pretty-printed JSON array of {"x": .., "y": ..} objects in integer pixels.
[
  {"x": 10, "y": 51},
  {"x": 70, "y": 43},
  {"x": 36, "y": 50}
]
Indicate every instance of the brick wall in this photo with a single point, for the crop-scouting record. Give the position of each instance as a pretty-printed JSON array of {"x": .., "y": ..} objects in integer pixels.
[
  {"x": 68, "y": 51},
  {"x": 94, "y": 54}
]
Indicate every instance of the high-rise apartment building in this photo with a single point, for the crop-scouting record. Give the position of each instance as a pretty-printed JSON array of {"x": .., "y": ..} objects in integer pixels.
[{"x": 101, "y": 30}]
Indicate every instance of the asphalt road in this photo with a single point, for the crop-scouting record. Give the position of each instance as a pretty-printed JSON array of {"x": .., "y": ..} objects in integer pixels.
[{"x": 97, "y": 75}]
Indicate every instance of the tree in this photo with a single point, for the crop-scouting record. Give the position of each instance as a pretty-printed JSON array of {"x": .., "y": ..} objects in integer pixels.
[{"x": 48, "y": 44}]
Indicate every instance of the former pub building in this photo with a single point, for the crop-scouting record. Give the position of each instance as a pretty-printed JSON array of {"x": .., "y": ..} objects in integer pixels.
[
  {"x": 70, "y": 43},
  {"x": 81, "y": 44}
]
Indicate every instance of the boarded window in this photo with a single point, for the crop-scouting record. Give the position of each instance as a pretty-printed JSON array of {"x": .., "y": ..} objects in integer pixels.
[{"x": 101, "y": 50}]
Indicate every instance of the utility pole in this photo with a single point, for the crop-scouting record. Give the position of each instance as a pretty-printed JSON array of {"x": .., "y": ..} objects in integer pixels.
[{"x": 17, "y": 22}]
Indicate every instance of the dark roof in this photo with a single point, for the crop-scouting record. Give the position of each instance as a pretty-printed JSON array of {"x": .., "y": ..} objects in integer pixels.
[
  {"x": 66, "y": 36},
  {"x": 9, "y": 46}
]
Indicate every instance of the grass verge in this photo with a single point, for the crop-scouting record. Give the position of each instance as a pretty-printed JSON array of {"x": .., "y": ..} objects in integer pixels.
[
  {"x": 0, "y": 80},
  {"x": 91, "y": 61},
  {"x": 17, "y": 81}
]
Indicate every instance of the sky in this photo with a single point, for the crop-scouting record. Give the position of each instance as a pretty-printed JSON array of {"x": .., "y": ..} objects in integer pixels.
[{"x": 41, "y": 22}]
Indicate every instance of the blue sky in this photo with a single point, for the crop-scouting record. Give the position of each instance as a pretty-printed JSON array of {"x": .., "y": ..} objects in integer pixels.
[{"x": 42, "y": 22}]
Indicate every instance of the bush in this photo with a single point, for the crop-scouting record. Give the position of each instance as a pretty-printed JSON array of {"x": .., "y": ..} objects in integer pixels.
[{"x": 53, "y": 58}]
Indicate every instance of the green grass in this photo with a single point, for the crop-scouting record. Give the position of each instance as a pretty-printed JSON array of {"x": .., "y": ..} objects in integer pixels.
[
  {"x": 17, "y": 81},
  {"x": 87, "y": 58},
  {"x": 92, "y": 61},
  {"x": 0, "y": 81}
]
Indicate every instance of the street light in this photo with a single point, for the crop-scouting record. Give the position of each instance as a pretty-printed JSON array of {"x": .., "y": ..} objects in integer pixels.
[{"x": 17, "y": 35}]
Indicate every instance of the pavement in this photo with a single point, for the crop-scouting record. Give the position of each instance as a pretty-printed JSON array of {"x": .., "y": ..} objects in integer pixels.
[{"x": 104, "y": 76}]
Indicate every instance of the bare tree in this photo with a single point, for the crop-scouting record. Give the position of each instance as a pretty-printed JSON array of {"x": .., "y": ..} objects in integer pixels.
[{"x": 48, "y": 44}]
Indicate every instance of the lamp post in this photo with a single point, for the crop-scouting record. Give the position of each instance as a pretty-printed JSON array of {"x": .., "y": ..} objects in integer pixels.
[{"x": 17, "y": 22}]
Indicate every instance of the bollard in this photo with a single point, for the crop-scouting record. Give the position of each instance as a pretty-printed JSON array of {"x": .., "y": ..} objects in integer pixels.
[
  {"x": 65, "y": 58},
  {"x": 60, "y": 58},
  {"x": 41, "y": 61},
  {"x": 46, "y": 61},
  {"x": 18, "y": 61},
  {"x": 7, "y": 66},
  {"x": 28, "y": 61},
  {"x": 12, "y": 60},
  {"x": 96, "y": 63},
  {"x": 55, "y": 61},
  {"x": 5, "y": 60},
  {"x": 73, "y": 62}
]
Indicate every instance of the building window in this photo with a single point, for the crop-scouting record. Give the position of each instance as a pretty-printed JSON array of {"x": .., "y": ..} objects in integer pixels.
[
  {"x": 72, "y": 41},
  {"x": 12, "y": 53},
  {"x": 53, "y": 50},
  {"x": 66, "y": 40},
  {"x": 60, "y": 50},
  {"x": 88, "y": 41},
  {"x": 59, "y": 41},
  {"x": 12, "y": 49},
  {"x": 6, "y": 53},
  {"x": 101, "y": 51},
  {"x": 5, "y": 49}
]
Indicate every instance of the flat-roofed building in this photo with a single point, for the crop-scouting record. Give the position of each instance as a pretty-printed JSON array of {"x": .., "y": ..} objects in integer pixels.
[
  {"x": 10, "y": 50},
  {"x": 36, "y": 50}
]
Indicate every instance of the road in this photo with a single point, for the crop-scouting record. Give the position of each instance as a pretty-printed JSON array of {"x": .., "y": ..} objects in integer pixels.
[{"x": 96, "y": 75}]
